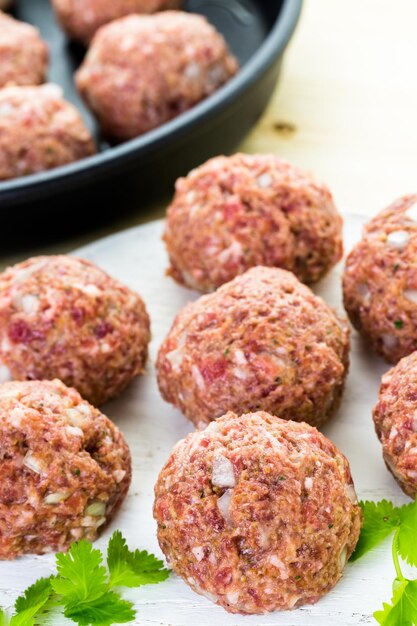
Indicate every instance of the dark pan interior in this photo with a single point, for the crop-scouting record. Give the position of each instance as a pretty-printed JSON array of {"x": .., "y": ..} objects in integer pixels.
[
  {"x": 244, "y": 23},
  {"x": 125, "y": 178}
]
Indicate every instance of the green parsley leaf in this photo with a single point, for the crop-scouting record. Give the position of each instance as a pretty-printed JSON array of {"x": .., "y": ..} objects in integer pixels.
[
  {"x": 81, "y": 575},
  {"x": 103, "y": 611},
  {"x": 31, "y": 603},
  {"x": 380, "y": 520},
  {"x": 407, "y": 544},
  {"x": 82, "y": 587},
  {"x": 403, "y": 608},
  {"x": 132, "y": 569}
]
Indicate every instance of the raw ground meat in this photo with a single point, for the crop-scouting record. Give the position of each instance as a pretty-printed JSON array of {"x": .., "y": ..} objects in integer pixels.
[
  {"x": 142, "y": 71},
  {"x": 263, "y": 341},
  {"x": 257, "y": 513},
  {"x": 380, "y": 281},
  {"x": 82, "y": 18},
  {"x": 23, "y": 54},
  {"x": 233, "y": 213},
  {"x": 62, "y": 317},
  {"x": 65, "y": 469},
  {"x": 39, "y": 130},
  {"x": 395, "y": 420}
]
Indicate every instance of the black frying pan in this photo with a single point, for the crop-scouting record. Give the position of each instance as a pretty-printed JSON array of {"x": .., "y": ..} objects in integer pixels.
[{"x": 125, "y": 175}]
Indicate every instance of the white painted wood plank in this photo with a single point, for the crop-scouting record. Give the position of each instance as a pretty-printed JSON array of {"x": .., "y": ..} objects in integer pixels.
[{"x": 152, "y": 427}]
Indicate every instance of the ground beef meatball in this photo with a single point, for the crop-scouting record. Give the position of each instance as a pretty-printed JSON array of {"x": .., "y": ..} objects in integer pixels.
[
  {"x": 39, "y": 130},
  {"x": 263, "y": 341},
  {"x": 64, "y": 468},
  {"x": 395, "y": 420},
  {"x": 380, "y": 281},
  {"x": 23, "y": 54},
  {"x": 257, "y": 513},
  {"x": 62, "y": 317},
  {"x": 82, "y": 18},
  {"x": 142, "y": 71},
  {"x": 233, "y": 213}
]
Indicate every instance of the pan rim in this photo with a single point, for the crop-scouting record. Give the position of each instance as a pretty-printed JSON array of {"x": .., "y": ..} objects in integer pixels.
[{"x": 119, "y": 155}]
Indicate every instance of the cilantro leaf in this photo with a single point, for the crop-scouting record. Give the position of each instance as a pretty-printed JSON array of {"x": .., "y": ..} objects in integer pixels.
[
  {"x": 36, "y": 594},
  {"x": 82, "y": 587},
  {"x": 28, "y": 605},
  {"x": 403, "y": 607},
  {"x": 132, "y": 569},
  {"x": 81, "y": 575},
  {"x": 103, "y": 611},
  {"x": 407, "y": 544},
  {"x": 380, "y": 520}
]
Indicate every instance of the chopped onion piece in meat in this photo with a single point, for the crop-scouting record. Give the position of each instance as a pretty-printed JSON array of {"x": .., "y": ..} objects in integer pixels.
[
  {"x": 343, "y": 558},
  {"x": 232, "y": 597},
  {"x": 198, "y": 552},
  {"x": 56, "y": 498},
  {"x": 398, "y": 239},
  {"x": 32, "y": 463},
  {"x": 96, "y": 509},
  {"x": 5, "y": 374},
  {"x": 223, "y": 472},
  {"x": 223, "y": 504},
  {"x": 119, "y": 475},
  {"x": 411, "y": 295},
  {"x": 351, "y": 493}
]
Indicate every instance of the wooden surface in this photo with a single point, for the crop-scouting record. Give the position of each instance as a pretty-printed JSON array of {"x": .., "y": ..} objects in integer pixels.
[
  {"x": 345, "y": 107},
  {"x": 152, "y": 427}
]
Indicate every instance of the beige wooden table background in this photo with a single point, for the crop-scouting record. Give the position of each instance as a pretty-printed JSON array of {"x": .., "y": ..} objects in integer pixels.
[{"x": 345, "y": 108}]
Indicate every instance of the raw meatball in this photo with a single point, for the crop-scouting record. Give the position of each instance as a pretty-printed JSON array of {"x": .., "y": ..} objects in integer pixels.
[
  {"x": 23, "y": 54},
  {"x": 65, "y": 468},
  {"x": 380, "y": 281},
  {"x": 263, "y": 341},
  {"x": 142, "y": 71},
  {"x": 396, "y": 422},
  {"x": 82, "y": 18},
  {"x": 233, "y": 213},
  {"x": 257, "y": 513},
  {"x": 39, "y": 130},
  {"x": 62, "y": 317}
]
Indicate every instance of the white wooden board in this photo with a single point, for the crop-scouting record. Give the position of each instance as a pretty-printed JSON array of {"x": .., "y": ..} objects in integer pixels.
[{"x": 151, "y": 427}]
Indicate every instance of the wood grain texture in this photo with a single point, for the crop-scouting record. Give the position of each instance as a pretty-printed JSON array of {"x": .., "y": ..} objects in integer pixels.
[
  {"x": 152, "y": 427},
  {"x": 349, "y": 88}
]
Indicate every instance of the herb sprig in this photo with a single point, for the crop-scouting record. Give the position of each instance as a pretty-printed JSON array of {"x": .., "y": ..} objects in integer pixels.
[
  {"x": 85, "y": 590},
  {"x": 381, "y": 520}
]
